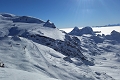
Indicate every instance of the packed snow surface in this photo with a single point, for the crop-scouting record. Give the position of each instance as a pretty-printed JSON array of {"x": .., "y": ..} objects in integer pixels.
[{"x": 13, "y": 74}]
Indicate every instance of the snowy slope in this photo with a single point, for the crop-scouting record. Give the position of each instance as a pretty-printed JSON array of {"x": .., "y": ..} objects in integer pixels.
[
  {"x": 13, "y": 74},
  {"x": 40, "y": 50},
  {"x": 23, "y": 54}
]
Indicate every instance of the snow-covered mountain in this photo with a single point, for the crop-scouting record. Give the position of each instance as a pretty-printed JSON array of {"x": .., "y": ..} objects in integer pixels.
[
  {"x": 79, "y": 32},
  {"x": 30, "y": 46}
]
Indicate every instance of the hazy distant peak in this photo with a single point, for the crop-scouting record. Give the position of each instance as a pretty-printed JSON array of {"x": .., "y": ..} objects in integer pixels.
[
  {"x": 114, "y": 32},
  {"x": 87, "y": 30},
  {"x": 80, "y": 32},
  {"x": 76, "y": 28}
]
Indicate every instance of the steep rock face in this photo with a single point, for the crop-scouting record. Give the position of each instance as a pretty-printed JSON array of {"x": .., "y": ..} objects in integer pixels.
[{"x": 79, "y": 32}]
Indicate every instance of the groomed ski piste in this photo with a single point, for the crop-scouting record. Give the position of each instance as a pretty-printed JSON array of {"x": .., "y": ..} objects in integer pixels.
[{"x": 33, "y": 49}]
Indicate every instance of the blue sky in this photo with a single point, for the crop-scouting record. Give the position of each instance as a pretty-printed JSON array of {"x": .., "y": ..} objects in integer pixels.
[{"x": 66, "y": 13}]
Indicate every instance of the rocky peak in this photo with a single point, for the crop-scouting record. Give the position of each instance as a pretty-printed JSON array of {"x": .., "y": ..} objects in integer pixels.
[
  {"x": 49, "y": 24},
  {"x": 80, "y": 32}
]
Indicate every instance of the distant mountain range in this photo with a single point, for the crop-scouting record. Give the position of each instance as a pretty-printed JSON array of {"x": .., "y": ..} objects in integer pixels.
[{"x": 108, "y": 25}]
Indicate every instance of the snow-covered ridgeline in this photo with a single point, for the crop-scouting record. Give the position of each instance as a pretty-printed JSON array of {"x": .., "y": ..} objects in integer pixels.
[{"x": 102, "y": 30}]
